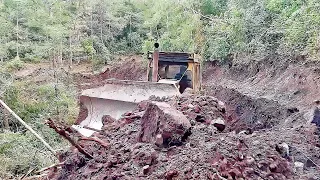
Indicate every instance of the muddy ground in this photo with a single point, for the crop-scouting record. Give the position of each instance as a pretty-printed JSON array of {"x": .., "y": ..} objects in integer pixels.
[{"x": 268, "y": 109}]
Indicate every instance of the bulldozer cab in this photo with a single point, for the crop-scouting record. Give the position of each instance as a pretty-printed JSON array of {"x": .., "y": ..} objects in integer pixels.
[{"x": 180, "y": 67}]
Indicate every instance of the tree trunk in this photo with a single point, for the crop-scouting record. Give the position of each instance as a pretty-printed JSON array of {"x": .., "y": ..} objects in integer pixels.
[
  {"x": 60, "y": 55},
  {"x": 6, "y": 120},
  {"x": 26, "y": 126},
  {"x": 101, "y": 33},
  {"x": 91, "y": 19},
  {"x": 167, "y": 22},
  {"x": 71, "y": 51},
  {"x": 17, "y": 34},
  {"x": 54, "y": 60},
  {"x": 130, "y": 33}
]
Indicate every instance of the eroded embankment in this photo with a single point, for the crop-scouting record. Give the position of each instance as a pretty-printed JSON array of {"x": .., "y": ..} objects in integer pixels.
[
  {"x": 266, "y": 93},
  {"x": 247, "y": 113}
]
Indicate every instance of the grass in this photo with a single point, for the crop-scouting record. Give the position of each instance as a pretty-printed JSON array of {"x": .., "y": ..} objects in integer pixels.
[{"x": 20, "y": 151}]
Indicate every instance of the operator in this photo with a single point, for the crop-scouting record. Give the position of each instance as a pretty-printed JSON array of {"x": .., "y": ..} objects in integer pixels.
[{"x": 183, "y": 80}]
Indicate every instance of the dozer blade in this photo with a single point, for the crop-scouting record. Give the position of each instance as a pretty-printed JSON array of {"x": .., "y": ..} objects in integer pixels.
[{"x": 117, "y": 97}]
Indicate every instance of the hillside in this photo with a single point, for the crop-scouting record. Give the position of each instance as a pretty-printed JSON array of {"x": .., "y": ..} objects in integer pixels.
[{"x": 257, "y": 115}]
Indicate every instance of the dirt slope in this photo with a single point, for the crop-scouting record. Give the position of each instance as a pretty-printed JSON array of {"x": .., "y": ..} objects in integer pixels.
[
  {"x": 271, "y": 91},
  {"x": 125, "y": 68}
]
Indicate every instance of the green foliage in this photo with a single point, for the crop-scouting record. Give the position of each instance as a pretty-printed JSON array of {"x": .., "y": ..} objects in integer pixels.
[
  {"x": 87, "y": 45},
  {"x": 15, "y": 64},
  {"x": 37, "y": 30},
  {"x": 259, "y": 28},
  {"x": 21, "y": 151},
  {"x": 213, "y": 7},
  {"x": 173, "y": 26},
  {"x": 302, "y": 30},
  {"x": 14, "y": 159},
  {"x": 46, "y": 101}
]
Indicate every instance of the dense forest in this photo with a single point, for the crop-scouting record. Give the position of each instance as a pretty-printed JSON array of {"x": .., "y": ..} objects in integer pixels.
[
  {"x": 72, "y": 31},
  {"x": 39, "y": 30}
]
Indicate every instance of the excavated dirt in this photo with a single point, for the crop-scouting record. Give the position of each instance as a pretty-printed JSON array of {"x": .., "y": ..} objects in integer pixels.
[{"x": 204, "y": 152}]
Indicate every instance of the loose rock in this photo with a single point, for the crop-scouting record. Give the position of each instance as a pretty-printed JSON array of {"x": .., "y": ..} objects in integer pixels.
[
  {"x": 299, "y": 166},
  {"x": 145, "y": 169},
  {"x": 219, "y": 124}
]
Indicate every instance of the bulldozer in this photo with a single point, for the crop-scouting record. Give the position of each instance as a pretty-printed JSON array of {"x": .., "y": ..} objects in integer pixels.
[{"x": 168, "y": 74}]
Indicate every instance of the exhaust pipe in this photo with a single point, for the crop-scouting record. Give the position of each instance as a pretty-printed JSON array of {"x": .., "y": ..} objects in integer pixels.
[{"x": 155, "y": 63}]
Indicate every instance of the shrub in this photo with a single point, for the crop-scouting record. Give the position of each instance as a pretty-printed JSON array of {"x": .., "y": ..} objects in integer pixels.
[{"x": 15, "y": 64}]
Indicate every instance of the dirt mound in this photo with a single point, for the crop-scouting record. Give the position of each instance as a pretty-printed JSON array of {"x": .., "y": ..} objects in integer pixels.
[
  {"x": 129, "y": 68},
  {"x": 203, "y": 152}
]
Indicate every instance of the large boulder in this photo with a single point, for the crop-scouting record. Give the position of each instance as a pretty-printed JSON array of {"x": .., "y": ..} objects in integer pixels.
[{"x": 163, "y": 125}]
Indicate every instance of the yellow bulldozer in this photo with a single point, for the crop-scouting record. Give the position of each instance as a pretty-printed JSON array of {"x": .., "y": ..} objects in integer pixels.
[{"x": 169, "y": 74}]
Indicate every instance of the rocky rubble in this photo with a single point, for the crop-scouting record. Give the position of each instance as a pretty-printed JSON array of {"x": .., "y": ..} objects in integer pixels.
[{"x": 187, "y": 137}]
